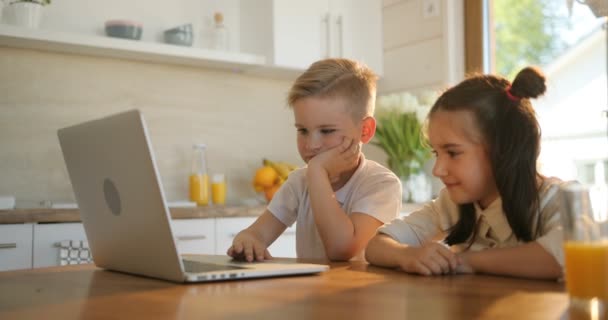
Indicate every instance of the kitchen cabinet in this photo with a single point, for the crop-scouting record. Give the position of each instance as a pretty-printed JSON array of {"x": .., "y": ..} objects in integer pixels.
[
  {"x": 48, "y": 239},
  {"x": 195, "y": 236},
  {"x": 295, "y": 34},
  {"x": 15, "y": 246},
  {"x": 227, "y": 228}
]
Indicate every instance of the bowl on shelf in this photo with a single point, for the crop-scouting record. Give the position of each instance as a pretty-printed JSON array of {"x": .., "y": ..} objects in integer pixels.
[
  {"x": 124, "y": 29},
  {"x": 180, "y": 35}
]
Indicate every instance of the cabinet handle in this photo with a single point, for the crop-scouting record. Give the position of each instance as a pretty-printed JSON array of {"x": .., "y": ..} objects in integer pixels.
[
  {"x": 340, "y": 28},
  {"x": 191, "y": 238},
  {"x": 8, "y": 245},
  {"x": 325, "y": 20}
]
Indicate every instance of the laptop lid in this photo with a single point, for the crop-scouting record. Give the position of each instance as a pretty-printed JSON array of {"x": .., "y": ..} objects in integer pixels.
[{"x": 123, "y": 209}]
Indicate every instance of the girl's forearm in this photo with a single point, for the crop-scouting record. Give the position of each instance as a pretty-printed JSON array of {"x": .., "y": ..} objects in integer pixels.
[
  {"x": 384, "y": 251},
  {"x": 528, "y": 260}
]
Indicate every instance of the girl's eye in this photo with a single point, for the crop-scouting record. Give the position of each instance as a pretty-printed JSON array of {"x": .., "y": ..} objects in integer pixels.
[{"x": 328, "y": 131}]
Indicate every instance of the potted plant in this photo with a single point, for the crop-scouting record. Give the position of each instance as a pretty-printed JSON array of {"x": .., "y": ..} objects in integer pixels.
[
  {"x": 399, "y": 134},
  {"x": 24, "y": 13}
]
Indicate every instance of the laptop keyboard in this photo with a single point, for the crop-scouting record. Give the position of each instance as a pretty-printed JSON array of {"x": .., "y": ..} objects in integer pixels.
[{"x": 199, "y": 267}]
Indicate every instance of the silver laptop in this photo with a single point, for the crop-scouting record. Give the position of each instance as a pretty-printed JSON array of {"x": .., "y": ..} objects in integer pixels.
[{"x": 123, "y": 209}]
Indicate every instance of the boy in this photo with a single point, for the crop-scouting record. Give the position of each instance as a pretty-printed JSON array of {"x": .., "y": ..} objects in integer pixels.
[{"x": 340, "y": 198}]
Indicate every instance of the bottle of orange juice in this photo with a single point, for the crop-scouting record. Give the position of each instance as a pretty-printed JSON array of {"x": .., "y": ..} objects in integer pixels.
[{"x": 199, "y": 180}]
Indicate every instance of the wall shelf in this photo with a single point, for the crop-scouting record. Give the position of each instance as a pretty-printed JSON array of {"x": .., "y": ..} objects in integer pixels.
[{"x": 101, "y": 46}]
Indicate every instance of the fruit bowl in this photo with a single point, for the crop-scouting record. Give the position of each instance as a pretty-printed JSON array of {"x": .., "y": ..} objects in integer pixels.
[{"x": 269, "y": 178}]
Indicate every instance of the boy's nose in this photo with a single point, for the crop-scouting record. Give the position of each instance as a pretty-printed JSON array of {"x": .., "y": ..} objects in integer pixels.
[
  {"x": 439, "y": 169},
  {"x": 313, "y": 142}
]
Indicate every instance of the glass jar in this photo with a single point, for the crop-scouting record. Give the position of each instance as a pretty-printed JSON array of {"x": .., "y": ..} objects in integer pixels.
[{"x": 199, "y": 179}]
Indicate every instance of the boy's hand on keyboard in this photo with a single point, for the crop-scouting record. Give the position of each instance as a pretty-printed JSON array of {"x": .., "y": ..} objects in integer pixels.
[{"x": 247, "y": 247}]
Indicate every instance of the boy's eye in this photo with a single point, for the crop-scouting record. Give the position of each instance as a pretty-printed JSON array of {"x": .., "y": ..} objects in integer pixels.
[
  {"x": 302, "y": 131},
  {"x": 453, "y": 154},
  {"x": 327, "y": 131}
]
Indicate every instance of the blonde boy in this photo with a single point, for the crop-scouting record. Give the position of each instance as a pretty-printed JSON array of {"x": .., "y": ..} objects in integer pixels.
[{"x": 340, "y": 198}]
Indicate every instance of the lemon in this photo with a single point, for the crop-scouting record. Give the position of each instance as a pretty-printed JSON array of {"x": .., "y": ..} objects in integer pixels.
[{"x": 265, "y": 177}]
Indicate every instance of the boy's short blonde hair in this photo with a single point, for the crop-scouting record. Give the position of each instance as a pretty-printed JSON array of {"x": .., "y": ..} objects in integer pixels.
[{"x": 338, "y": 78}]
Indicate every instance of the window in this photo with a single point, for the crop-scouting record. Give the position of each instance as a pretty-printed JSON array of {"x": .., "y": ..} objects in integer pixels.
[{"x": 569, "y": 44}]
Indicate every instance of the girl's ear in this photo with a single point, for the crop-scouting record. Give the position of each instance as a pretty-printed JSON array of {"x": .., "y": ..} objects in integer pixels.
[{"x": 368, "y": 129}]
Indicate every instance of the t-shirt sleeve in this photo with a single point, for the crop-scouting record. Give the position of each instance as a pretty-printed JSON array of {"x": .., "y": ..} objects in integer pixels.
[
  {"x": 422, "y": 225},
  {"x": 551, "y": 233},
  {"x": 379, "y": 196},
  {"x": 285, "y": 202}
]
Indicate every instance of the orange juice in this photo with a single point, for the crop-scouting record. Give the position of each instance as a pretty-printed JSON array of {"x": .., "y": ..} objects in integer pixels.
[
  {"x": 218, "y": 192},
  {"x": 199, "y": 189},
  {"x": 587, "y": 269}
]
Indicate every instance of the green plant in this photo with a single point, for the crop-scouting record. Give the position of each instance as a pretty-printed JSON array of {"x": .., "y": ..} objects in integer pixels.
[
  {"x": 40, "y": 2},
  {"x": 399, "y": 133}
]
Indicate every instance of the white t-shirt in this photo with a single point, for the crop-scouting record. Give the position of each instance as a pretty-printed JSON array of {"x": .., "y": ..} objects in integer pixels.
[
  {"x": 434, "y": 220},
  {"x": 373, "y": 190}
]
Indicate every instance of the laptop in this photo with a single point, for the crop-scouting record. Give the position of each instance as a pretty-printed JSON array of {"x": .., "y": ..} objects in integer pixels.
[{"x": 123, "y": 209}]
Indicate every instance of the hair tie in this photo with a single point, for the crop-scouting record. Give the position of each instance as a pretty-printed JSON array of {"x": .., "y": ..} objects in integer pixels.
[{"x": 511, "y": 96}]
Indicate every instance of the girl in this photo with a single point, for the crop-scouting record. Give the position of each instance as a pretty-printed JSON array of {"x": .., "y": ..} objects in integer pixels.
[{"x": 496, "y": 214}]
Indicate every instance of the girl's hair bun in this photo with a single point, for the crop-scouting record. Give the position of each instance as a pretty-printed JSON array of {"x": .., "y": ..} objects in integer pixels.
[{"x": 529, "y": 83}]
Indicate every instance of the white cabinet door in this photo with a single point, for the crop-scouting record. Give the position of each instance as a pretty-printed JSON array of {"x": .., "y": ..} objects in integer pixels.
[
  {"x": 196, "y": 236},
  {"x": 15, "y": 246},
  {"x": 285, "y": 245},
  {"x": 295, "y": 34},
  {"x": 356, "y": 31},
  {"x": 48, "y": 238}
]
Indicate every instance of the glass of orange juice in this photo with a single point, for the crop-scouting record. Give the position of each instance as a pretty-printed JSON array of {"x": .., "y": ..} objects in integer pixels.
[
  {"x": 586, "y": 252},
  {"x": 218, "y": 188}
]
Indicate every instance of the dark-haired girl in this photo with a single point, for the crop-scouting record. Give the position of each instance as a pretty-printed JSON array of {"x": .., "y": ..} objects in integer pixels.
[{"x": 496, "y": 214}]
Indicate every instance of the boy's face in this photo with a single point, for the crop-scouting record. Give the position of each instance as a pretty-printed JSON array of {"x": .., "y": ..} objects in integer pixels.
[
  {"x": 462, "y": 162},
  {"x": 322, "y": 123}
]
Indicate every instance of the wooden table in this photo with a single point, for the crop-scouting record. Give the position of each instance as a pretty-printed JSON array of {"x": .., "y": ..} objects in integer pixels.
[{"x": 346, "y": 291}]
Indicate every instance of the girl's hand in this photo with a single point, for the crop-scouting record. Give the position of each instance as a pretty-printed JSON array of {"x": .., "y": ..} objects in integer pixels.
[
  {"x": 338, "y": 159},
  {"x": 463, "y": 264},
  {"x": 430, "y": 259}
]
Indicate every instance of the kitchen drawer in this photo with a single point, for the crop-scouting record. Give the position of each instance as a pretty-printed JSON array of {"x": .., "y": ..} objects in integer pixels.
[
  {"x": 15, "y": 246},
  {"x": 227, "y": 229},
  {"x": 48, "y": 237},
  {"x": 195, "y": 236}
]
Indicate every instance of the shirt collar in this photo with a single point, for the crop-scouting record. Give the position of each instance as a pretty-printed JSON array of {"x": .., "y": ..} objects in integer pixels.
[{"x": 496, "y": 219}]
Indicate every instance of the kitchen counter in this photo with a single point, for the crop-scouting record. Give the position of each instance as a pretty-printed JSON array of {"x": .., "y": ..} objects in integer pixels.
[{"x": 49, "y": 215}]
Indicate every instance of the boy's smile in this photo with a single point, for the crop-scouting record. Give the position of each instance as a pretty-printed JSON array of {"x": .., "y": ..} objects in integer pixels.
[
  {"x": 322, "y": 123},
  {"x": 462, "y": 162}
]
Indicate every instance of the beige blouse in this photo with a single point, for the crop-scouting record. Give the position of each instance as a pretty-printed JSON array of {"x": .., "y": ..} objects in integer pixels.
[{"x": 433, "y": 221}]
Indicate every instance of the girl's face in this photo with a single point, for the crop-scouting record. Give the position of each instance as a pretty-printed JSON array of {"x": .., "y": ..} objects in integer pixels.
[
  {"x": 462, "y": 162},
  {"x": 322, "y": 123}
]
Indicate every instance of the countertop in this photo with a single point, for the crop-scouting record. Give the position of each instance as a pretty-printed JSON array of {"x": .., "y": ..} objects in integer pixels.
[{"x": 52, "y": 215}]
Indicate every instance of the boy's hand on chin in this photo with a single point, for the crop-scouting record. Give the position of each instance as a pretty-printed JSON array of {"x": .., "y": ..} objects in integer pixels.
[{"x": 338, "y": 159}]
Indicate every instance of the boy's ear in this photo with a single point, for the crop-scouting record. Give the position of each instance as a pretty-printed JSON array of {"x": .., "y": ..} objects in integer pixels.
[{"x": 368, "y": 129}]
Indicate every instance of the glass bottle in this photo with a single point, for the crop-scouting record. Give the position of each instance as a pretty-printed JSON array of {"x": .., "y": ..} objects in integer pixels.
[
  {"x": 220, "y": 33},
  {"x": 199, "y": 179}
]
